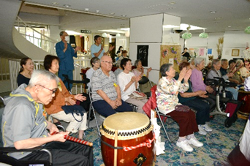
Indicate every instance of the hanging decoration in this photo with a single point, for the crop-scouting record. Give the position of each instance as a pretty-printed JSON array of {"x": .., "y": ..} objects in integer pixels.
[
  {"x": 187, "y": 35},
  {"x": 247, "y": 30},
  {"x": 173, "y": 50},
  {"x": 203, "y": 34}
]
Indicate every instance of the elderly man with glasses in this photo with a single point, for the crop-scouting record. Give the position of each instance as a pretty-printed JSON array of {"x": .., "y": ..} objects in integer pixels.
[
  {"x": 25, "y": 127},
  {"x": 106, "y": 94}
]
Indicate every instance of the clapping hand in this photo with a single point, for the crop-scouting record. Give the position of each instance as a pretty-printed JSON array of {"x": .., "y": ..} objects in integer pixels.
[
  {"x": 187, "y": 75},
  {"x": 70, "y": 100},
  {"x": 80, "y": 97},
  {"x": 182, "y": 73}
]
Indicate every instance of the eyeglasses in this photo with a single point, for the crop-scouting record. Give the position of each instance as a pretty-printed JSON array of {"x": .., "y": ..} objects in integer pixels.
[
  {"x": 52, "y": 90},
  {"x": 108, "y": 62}
]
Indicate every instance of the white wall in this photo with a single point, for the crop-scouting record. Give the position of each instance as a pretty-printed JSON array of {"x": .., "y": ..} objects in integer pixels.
[
  {"x": 234, "y": 40},
  {"x": 148, "y": 30}
]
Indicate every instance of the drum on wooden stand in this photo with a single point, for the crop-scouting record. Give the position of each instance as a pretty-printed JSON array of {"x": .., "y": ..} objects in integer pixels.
[
  {"x": 244, "y": 109},
  {"x": 127, "y": 139}
]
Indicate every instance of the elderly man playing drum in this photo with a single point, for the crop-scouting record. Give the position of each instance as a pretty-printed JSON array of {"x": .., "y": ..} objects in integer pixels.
[
  {"x": 106, "y": 94},
  {"x": 25, "y": 127}
]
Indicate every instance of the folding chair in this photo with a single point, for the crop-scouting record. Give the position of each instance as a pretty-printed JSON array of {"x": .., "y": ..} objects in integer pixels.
[
  {"x": 159, "y": 114},
  {"x": 91, "y": 108}
]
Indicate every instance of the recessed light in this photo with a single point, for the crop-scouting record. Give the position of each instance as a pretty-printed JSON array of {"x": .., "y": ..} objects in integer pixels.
[
  {"x": 112, "y": 13},
  {"x": 212, "y": 12},
  {"x": 97, "y": 11},
  {"x": 86, "y": 9},
  {"x": 123, "y": 15},
  {"x": 229, "y": 26},
  {"x": 66, "y": 5},
  {"x": 54, "y": 3},
  {"x": 172, "y": 3}
]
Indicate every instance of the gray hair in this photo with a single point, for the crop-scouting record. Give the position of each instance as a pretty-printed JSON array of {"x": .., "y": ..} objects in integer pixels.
[
  {"x": 41, "y": 77},
  {"x": 137, "y": 61},
  {"x": 164, "y": 68},
  {"x": 197, "y": 61},
  {"x": 239, "y": 62}
]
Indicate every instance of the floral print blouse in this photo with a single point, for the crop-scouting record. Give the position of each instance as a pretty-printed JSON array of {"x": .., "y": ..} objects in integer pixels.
[{"x": 167, "y": 94}]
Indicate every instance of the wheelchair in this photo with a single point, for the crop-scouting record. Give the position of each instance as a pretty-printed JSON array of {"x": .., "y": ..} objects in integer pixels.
[{"x": 222, "y": 102}]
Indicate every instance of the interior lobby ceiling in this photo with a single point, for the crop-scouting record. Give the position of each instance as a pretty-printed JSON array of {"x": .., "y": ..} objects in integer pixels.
[{"x": 216, "y": 16}]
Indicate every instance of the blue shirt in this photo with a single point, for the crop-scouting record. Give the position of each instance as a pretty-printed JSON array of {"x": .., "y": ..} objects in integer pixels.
[
  {"x": 66, "y": 58},
  {"x": 95, "y": 49}
]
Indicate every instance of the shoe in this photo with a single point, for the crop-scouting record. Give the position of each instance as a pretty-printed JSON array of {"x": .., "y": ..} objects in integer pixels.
[
  {"x": 201, "y": 130},
  {"x": 195, "y": 142},
  {"x": 207, "y": 128},
  {"x": 184, "y": 145}
]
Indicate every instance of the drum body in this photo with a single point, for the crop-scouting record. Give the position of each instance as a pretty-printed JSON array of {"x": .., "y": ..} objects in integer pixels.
[
  {"x": 244, "y": 109},
  {"x": 133, "y": 129}
]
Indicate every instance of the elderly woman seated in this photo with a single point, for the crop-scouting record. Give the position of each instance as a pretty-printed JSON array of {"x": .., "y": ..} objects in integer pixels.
[
  {"x": 63, "y": 97},
  {"x": 197, "y": 81},
  {"x": 195, "y": 100},
  {"x": 215, "y": 72},
  {"x": 168, "y": 103},
  {"x": 128, "y": 83}
]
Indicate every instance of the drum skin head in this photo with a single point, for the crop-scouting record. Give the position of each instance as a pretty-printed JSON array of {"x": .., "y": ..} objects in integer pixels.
[{"x": 126, "y": 121}]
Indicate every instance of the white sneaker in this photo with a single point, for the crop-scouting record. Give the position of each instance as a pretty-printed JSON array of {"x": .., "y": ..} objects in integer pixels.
[
  {"x": 184, "y": 145},
  {"x": 207, "y": 128},
  {"x": 201, "y": 130},
  {"x": 195, "y": 142}
]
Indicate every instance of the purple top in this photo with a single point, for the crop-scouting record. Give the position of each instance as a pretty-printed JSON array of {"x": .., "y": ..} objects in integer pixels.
[{"x": 197, "y": 80}]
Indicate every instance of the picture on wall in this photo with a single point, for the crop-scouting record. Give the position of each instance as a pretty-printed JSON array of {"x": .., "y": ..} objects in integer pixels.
[
  {"x": 235, "y": 52},
  {"x": 142, "y": 54},
  {"x": 171, "y": 54}
]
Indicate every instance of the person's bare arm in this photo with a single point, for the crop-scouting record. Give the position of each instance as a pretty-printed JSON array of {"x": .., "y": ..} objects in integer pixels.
[{"x": 98, "y": 53}]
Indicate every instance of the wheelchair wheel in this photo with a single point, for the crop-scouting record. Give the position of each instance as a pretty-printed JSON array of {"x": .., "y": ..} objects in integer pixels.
[{"x": 228, "y": 122}]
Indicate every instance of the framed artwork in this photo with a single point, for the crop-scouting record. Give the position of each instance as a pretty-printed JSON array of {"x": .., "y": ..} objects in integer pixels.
[
  {"x": 142, "y": 54},
  {"x": 235, "y": 52}
]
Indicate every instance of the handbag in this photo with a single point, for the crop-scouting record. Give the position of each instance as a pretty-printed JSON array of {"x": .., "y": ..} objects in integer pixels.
[
  {"x": 74, "y": 109},
  {"x": 182, "y": 108},
  {"x": 138, "y": 95}
]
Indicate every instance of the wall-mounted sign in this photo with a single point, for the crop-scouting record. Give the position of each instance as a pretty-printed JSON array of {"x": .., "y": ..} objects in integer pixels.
[{"x": 85, "y": 31}]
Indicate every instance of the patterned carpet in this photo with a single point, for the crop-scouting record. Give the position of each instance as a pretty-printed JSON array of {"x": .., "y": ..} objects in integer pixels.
[{"x": 217, "y": 144}]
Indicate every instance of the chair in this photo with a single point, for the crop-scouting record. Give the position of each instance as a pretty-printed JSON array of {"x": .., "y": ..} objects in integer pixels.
[
  {"x": 91, "y": 108},
  {"x": 153, "y": 105},
  {"x": 5, "y": 158},
  {"x": 69, "y": 81}
]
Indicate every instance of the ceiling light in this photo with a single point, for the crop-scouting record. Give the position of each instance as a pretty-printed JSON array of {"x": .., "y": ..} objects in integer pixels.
[
  {"x": 97, "y": 11},
  {"x": 187, "y": 35},
  {"x": 66, "y": 5},
  {"x": 229, "y": 26},
  {"x": 118, "y": 35},
  {"x": 86, "y": 9},
  {"x": 172, "y": 3},
  {"x": 123, "y": 15},
  {"x": 112, "y": 13},
  {"x": 104, "y": 35},
  {"x": 212, "y": 12},
  {"x": 203, "y": 34},
  {"x": 111, "y": 31},
  {"x": 247, "y": 30},
  {"x": 54, "y": 3}
]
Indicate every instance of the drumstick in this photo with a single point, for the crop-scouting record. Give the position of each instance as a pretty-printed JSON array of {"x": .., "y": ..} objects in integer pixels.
[
  {"x": 115, "y": 151},
  {"x": 67, "y": 137}
]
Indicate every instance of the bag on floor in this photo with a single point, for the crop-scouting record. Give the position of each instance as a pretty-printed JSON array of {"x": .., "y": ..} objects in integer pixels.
[{"x": 74, "y": 110}]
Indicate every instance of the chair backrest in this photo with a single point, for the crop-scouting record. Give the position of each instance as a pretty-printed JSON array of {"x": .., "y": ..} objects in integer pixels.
[{"x": 153, "y": 96}]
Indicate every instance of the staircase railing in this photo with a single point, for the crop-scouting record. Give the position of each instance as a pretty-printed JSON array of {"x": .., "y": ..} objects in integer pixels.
[{"x": 40, "y": 40}]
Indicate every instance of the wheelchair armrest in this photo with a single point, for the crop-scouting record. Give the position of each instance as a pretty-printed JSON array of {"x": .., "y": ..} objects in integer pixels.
[{"x": 5, "y": 150}]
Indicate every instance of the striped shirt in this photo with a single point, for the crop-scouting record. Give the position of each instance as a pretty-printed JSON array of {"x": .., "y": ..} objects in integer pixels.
[{"x": 107, "y": 84}]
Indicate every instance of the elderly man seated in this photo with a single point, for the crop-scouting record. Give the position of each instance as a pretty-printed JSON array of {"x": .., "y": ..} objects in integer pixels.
[
  {"x": 106, "y": 94},
  {"x": 25, "y": 127}
]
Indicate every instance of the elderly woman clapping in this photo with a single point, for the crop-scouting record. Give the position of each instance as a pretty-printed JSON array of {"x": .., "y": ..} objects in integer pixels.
[{"x": 168, "y": 103}]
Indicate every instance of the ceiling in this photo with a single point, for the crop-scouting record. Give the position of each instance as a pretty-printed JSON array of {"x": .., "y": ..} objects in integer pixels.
[{"x": 214, "y": 15}]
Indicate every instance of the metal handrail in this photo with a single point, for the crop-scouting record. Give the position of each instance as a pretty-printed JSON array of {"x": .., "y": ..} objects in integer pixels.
[{"x": 48, "y": 45}]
